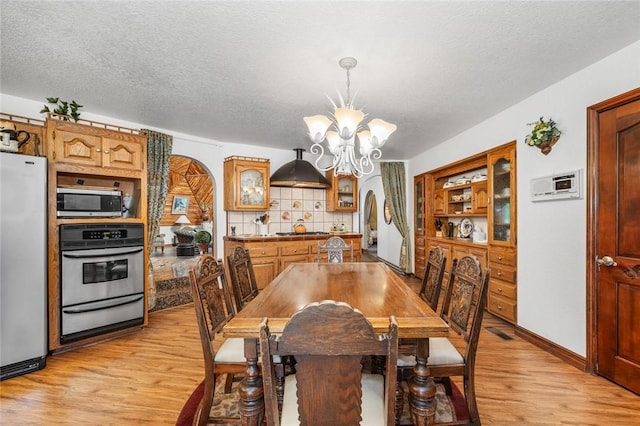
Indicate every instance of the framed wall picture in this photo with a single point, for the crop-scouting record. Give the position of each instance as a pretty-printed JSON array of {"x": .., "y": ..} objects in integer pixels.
[
  {"x": 179, "y": 205},
  {"x": 387, "y": 213}
]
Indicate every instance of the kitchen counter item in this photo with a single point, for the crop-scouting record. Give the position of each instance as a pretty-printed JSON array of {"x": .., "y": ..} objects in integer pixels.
[{"x": 299, "y": 227}]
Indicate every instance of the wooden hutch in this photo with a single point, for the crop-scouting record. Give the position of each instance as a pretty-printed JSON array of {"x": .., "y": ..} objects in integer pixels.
[{"x": 480, "y": 189}]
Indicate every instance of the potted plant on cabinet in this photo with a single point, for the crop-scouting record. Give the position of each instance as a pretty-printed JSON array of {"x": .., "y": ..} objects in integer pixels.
[{"x": 203, "y": 238}]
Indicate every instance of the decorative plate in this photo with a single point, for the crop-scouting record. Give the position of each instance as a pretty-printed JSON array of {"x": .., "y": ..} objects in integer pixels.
[{"x": 466, "y": 227}]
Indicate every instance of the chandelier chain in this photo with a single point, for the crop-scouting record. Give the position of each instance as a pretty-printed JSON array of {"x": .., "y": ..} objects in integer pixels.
[{"x": 348, "y": 87}]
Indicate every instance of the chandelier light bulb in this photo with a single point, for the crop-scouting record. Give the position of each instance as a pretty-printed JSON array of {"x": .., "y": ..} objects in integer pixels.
[
  {"x": 380, "y": 131},
  {"x": 318, "y": 125}
]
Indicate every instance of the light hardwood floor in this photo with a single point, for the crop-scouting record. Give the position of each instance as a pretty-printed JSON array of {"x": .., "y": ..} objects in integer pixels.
[{"x": 147, "y": 376}]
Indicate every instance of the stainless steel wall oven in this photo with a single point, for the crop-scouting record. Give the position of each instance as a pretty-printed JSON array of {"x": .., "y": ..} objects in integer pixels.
[{"x": 102, "y": 278}]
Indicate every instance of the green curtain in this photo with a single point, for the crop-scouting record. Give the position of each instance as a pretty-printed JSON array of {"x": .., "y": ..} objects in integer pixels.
[
  {"x": 394, "y": 187},
  {"x": 158, "y": 159},
  {"x": 368, "y": 206}
]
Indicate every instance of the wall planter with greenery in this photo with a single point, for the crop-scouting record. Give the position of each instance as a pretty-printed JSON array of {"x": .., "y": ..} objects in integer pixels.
[{"x": 544, "y": 135}]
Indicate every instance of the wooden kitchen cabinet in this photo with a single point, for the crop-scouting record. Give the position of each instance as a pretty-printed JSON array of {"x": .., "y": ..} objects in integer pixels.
[
  {"x": 342, "y": 196},
  {"x": 94, "y": 155},
  {"x": 451, "y": 194},
  {"x": 503, "y": 255},
  {"x": 502, "y": 214},
  {"x": 271, "y": 255},
  {"x": 503, "y": 292},
  {"x": 35, "y": 145},
  {"x": 246, "y": 184},
  {"x": 91, "y": 146}
]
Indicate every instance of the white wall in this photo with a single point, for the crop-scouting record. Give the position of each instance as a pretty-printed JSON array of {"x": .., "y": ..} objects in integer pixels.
[
  {"x": 389, "y": 239},
  {"x": 551, "y": 235}
]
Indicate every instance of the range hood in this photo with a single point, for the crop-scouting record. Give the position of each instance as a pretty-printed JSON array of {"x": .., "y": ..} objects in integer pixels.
[{"x": 299, "y": 174}]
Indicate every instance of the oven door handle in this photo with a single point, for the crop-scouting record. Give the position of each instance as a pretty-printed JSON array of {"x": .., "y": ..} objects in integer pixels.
[
  {"x": 88, "y": 256},
  {"x": 134, "y": 299}
]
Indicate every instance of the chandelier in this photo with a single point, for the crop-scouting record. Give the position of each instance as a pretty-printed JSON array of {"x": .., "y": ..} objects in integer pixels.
[{"x": 347, "y": 128}]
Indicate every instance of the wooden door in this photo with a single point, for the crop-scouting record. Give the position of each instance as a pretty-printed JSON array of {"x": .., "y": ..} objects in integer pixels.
[{"x": 616, "y": 253}]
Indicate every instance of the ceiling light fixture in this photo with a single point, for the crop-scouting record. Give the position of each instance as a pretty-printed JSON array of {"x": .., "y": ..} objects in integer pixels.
[{"x": 341, "y": 141}]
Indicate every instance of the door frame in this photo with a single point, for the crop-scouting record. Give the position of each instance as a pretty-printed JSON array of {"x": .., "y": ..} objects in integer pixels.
[{"x": 593, "y": 143}]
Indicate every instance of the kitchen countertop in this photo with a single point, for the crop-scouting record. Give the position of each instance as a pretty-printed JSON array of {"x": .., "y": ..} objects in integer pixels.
[{"x": 297, "y": 237}]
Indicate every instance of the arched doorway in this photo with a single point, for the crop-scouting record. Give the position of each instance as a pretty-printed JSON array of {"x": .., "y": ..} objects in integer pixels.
[
  {"x": 371, "y": 222},
  {"x": 188, "y": 180}
]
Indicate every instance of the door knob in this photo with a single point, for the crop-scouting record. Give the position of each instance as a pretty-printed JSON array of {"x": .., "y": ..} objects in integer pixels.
[{"x": 606, "y": 261}]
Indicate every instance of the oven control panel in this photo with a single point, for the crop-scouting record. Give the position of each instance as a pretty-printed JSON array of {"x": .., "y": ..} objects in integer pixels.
[
  {"x": 104, "y": 234},
  {"x": 94, "y": 235}
]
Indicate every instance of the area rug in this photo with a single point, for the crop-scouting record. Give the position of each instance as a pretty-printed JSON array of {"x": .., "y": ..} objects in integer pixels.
[{"x": 448, "y": 409}]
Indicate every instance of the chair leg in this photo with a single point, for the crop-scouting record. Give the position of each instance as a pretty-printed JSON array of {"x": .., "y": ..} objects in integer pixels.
[
  {"x": 399, "y": 398},
  {"x": 280, "y": 374},
  {"x": 470, "y": 397},
  {"x": 228, "y": 383}
]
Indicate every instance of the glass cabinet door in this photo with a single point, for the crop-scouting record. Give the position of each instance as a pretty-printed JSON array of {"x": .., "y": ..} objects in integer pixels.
[
  {"x": 419, "y": 205},
  {"x": 246, "y": 184},
  {"x": 501, "y": 217},
  {"x": 342, "y": 196},
  {"x": 252, "y": 187}
]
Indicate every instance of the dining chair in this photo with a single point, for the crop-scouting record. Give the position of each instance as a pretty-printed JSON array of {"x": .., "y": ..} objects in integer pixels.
[
  {"x": 335, "y": 248},
  {"x": 463, "y": 310},
  {"x": 328, "y": 340},
  {"x": 429, "y": 292},
  {"x": 243, "y": 279},
  {"x": 212, "y": 301},
  {"x": 432, "y": 281}
]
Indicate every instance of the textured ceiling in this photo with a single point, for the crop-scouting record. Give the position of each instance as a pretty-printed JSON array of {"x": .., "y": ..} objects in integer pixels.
[{"x": 248, "y": 71}]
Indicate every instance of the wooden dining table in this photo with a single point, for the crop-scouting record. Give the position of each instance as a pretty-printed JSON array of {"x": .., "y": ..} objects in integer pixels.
[{"x": 372, "y": 288}]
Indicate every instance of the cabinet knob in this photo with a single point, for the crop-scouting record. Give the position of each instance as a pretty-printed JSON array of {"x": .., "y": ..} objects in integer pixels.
[
  {"x": 106, "y": 151},
  {"x": 499, "y": 257},
  {"x": 500, "y": 307},
  {"x": 97, "y": 149},
  {"x": 499, "y": 289},
  {"x": 499, "y": 273},
  {"x": 262, "y": 252}
]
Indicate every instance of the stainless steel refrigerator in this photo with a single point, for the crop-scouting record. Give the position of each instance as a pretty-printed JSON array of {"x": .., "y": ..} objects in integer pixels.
[{"x": 23, "y": 264}]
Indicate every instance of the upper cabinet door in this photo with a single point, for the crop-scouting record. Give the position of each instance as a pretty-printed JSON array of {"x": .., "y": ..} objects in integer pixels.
[
  {"x": 84, "y": 145},
  {"x": 343, "y": 194},
  {"x": 246, "y": 184},
  {"x": 502, "y": 211}
]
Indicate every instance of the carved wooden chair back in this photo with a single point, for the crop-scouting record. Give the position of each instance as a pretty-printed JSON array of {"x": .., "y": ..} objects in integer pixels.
[
  {"x": 328, "y": 340},
  {"x": 213, "y": 305},
  {"x": 463, "y": 310},
  {"x": 432, "y": 281},
  {"x": 335, "y": 248},
  {"x": 243, "y": 279},
  {"x": 430, "y": 293}
]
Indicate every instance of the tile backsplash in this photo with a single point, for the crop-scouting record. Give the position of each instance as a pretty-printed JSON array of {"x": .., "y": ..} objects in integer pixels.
[{"x": 286, "y": 207}]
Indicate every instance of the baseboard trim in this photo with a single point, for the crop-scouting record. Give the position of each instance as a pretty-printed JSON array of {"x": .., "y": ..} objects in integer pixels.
[
  {"x": 564, "y": 354},
  {"x": 393, "y": 267}
]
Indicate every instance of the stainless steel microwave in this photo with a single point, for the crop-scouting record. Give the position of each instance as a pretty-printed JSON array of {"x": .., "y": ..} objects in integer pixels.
[{"x": 80, "y": 202}]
